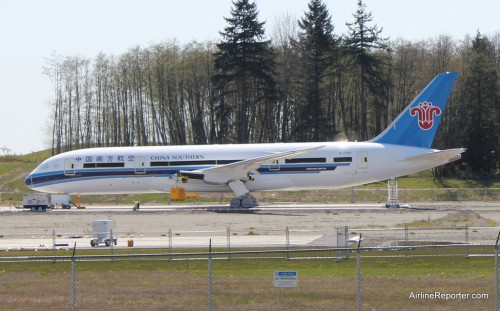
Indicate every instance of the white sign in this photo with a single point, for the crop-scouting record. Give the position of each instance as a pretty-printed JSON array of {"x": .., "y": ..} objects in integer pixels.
[{"x": 285, "y": 279}]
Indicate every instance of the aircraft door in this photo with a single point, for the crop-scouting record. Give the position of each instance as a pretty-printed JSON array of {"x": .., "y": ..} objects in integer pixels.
[
  {"x": 274, "y": 166},
  {"x": 140, "y": 165},
  {"x": 362, "y": 159},
  {"x": 69, "y": 167}
]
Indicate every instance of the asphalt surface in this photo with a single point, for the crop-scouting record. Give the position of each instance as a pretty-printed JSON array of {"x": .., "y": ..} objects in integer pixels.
[{"x": 276, "y": 225}]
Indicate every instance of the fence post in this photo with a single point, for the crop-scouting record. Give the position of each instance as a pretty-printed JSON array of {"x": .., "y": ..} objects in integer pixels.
[
  {"x": 466, "y": 240},
  {"x": 346, "y": 244},
  {"x": 497, "y": 285},
  {"x": 358, "y": 274},
  {"x": 54, "y": 245},
  {"x": 406, "y": 241},
  {"x": 353, "y": 195},
  {"x": 111, "y": 244},
  {"x": 210, "y": 276},
  {"x": 228, "y": 242},
  {"x": 73, "y": 280},
  {"x": 287, "y": 243},
  {"x": 170, "y": 243}
]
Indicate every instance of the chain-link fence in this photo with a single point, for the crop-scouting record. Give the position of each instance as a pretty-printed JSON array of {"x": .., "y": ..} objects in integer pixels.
[
  {"x": 379, "y": 195},
  {"x": 397, "y": 268},
  {"x": 231, "y": 239},
  {"x": 346, "y": 195},
  {"x": 437, "y": 277}
]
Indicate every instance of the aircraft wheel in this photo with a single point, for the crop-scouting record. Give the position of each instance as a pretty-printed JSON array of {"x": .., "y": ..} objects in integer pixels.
[
  {"x": 92, "y": 243},
  {"x": 247, "y": 202},
  {"x": 235, "y": 203},
  {"x": 108, "y": 242}
]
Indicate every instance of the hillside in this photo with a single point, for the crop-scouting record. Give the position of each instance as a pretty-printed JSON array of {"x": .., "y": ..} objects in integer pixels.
[{"x": 13, "y": 170}]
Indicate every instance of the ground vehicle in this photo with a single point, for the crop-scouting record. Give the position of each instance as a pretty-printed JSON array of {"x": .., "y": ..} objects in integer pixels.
[
  {"x": 101, "y": 233},
  {"x": 36, "y": 201},
  {"x": 62, "y": 200},
  {"x": 39, "y": 202}
]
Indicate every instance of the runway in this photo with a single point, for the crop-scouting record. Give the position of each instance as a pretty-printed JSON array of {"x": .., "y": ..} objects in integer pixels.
[
  {"x": 192, "y": 226},
  {"x": 211, "y": 207}
]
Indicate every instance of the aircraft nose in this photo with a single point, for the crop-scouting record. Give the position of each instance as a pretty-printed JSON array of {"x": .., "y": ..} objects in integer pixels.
[{"x": 28, "y": 181}]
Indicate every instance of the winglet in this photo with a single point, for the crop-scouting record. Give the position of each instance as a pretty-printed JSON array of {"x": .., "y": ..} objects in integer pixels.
[{"x": 418, "y": 123}]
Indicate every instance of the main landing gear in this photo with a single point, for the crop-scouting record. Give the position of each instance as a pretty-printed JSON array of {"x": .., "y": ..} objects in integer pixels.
[
  {"x": 244, "y": 198},
  {"x": 247, "y": 201}
]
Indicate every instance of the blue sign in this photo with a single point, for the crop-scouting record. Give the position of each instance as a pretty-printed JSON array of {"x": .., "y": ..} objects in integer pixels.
[{"x": 285, "y": 279}]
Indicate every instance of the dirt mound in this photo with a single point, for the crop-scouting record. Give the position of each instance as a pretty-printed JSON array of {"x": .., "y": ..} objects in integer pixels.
[{"x": 466, "y": 217}]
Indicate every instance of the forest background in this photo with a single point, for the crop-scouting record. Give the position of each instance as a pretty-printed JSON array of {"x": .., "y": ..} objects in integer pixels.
[{"x": 297, "y": 82}]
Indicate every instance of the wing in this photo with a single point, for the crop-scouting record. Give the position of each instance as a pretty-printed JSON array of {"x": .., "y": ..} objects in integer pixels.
[{"x": 239, "y": 170}]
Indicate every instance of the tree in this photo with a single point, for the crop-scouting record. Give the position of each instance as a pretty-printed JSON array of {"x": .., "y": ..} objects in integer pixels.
[
  {"x": 284, "y": 34},
  {"x": 363, "y": 41},
  {"x": 243, "y": 77},
  {"x": 315, "y": 44},
  {"x": 480, "y": 105},
  {"x": 196, "y": 68},
  {"x": 6, "y": 151}
]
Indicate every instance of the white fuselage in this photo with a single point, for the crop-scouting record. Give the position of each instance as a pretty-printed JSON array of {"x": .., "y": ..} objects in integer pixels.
[{"x": 154, "y": 169}]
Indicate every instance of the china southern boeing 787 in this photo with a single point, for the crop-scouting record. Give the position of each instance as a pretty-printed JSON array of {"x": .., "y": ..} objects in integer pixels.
[{"x": 404, "y": 147}]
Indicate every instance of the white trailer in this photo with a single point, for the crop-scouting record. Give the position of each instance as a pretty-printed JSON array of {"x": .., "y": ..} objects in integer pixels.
[
  {"x": 60, "y": 200},
  {"x": 101, "y": 233},
  {"x": 36, "y": 201}
]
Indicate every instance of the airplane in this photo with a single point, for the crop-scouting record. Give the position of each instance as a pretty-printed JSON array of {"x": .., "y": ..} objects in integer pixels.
[
  {"x": 355, "y": 239},
  {"x": 403, "y": 148}
]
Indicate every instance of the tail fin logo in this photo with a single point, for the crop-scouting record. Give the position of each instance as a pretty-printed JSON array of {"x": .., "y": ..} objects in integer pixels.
[{"x": 426, "y": 112}]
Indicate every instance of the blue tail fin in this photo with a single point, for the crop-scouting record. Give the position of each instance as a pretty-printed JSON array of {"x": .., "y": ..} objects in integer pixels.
[{"x": 418, "y": 123}]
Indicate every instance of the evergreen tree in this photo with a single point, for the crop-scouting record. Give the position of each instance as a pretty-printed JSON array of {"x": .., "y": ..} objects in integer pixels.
[
  {"x": 315, "y": 43},
  {"x": 480, "y": 111},
  {"x": 243, "y": 78},
  {"x": 362, "y": 42}
]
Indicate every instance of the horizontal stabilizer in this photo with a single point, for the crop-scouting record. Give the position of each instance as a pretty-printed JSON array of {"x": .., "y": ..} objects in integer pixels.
[{"x": 440, "y": 156}]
